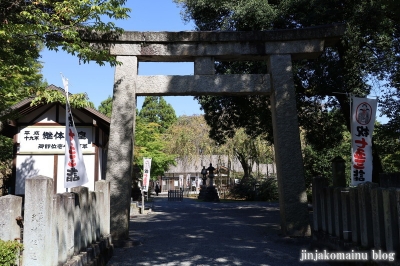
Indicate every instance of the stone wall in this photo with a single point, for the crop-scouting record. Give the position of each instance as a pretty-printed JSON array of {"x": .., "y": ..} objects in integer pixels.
[
  {"x": 71, "y": 228},
  {"x": 362, "y": 217}
]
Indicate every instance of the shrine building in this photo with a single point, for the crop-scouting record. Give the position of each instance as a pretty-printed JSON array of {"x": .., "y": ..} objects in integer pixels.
[{"x": 38, "y": 134}]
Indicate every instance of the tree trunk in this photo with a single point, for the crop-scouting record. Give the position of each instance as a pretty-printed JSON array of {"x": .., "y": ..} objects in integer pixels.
[{"x": 245, "y": 165}]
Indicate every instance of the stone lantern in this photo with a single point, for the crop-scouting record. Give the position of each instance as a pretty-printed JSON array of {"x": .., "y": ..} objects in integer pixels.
[
  {"x": 208, "y": 193},
  {"x": 211, "y": 170},
  {"x": 204, "y": 176}
]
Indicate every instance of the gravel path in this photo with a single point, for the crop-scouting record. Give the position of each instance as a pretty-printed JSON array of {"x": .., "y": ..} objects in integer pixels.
[{"x": 205, "y": 233}]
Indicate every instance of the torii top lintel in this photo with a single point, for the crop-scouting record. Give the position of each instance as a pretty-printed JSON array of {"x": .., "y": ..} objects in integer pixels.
[{"x": 185, "y": 46}]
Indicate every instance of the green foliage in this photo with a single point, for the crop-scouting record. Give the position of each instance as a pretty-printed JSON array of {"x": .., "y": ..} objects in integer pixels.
[
  {"x": 228, "y": 113},
  {"x": 387, "y": 143},
  {"x": 9, "y": 252},
  {"x": 77, "y": 100},
  {"x": 229, "y": 15},
  {"x": 369, "y": 50},
  {"x": 28, "y": 26},
  {"x": 63, "y": 24},
  {"x": 324, "y": 129},
  {"x": 6, "y": 148},
  {"x": 255, "y": 190},
  {"x": 155, "y": 117},
  {"x": 391, "y": 162},
  {"x": 248, "y": 150},
  {"x": 390, "y": 106},
  {"x": 6, "y": 156},
  {"x": 318, "y": 160},
  {"x": 19, "y": 66},
  {"x": 156, "y": 110},
  {"x": 105, "y": 107},
  {"x": 149, "y": 144},
  {"x": 188, "y": 139}
]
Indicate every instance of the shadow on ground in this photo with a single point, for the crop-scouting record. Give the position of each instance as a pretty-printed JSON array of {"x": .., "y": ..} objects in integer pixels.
[{"x": 204, "y": 233}]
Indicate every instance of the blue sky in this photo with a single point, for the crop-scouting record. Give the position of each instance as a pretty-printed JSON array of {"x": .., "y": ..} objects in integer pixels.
[{"x": 97, "y": 82}]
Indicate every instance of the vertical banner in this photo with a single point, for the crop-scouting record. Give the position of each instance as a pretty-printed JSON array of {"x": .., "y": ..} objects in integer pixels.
[
  {"x": 75, "y": 170},
  {"x": 180, "y": 181},
  {"x": 146, "y": 174},
  {"x": 362, "y": 127},
  {"x": 188, "y": 180}
]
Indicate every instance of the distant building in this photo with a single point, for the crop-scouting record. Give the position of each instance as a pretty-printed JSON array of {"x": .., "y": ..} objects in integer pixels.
[
  {"x": 187, "y": 174},
  {"x": 39, "y": 142}
]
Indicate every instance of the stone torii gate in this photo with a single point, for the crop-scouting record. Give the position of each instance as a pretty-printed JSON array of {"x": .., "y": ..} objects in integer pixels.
[{"x": 278, "y": 48}]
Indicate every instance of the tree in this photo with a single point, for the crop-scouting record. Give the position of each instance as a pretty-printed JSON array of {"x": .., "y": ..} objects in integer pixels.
[
  {"x": 248, "y": 150},
  {"x": 318, "y": 160},
  {"x": 105, "y": 106},
  {"x": 369, "y": 50},
  {"x": 228, "y": 113},
  {"x": 6, "y": 155},
  {"x": 188, "y": 139},
  {"x": 28, "y": 26},
  {"x": 149, "y": 143},
  {"x": 387, "y": 142},
  {"x": 77, "y": 100},
  {"x": 155, "y": 109}
]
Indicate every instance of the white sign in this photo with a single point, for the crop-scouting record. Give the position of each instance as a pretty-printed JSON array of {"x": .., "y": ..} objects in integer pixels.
[
  {"x": 146, "y": 173},
  {"x": 363, "y": 119},
  {"x": 38, "y": 139}
]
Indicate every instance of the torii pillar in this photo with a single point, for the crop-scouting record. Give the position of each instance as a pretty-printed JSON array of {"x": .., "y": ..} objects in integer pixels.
[
  {"x": 293, "y": 204},
  {"x": 120, "y": 146},
  {"x": 278, "y": 48}
]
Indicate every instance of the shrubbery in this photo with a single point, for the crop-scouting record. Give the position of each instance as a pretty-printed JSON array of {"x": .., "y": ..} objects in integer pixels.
[
  {"x": 9, "y": 252},
  {"x": 256, "y": 190}
]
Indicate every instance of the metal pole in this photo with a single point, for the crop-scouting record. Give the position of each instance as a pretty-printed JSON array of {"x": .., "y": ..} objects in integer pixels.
[{"x": 142, "y": 201}]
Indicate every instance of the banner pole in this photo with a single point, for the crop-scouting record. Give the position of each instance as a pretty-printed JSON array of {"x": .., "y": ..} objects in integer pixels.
[
  {"x": 74, "y": 166},
  {"x": 142, "y": 201}
]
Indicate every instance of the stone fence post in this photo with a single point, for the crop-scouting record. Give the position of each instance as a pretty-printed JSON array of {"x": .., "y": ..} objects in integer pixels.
[
  {"x": 355, "y": 219},
  {"x": 324, "y": 208},
  {"x": 11, "y": 208},
  {"x": 57, "y": 245},
  {"x": 330, "y": 210},
  {"x": 318, "y": 184},
  {"x": 96, "y": 198},
  {"x": 60, "y": 229},
  {"x": 364, "y": 196},
  {"x": 77, "y": 224},
  {"x": 391, "y": 219},
  {"x": 338, "y": 172},
  {"x": 90, "y": 215},
  {"x": 69, "y": 204},
  {"x": 82, "y": 203},
  {"x": 346, "y": 214},
  {"x": 378, "y": 218},
  {"x": 37, "y": 221},
  {"x": 104, "y": 206},
  {"x": 337, "y": 211}
]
